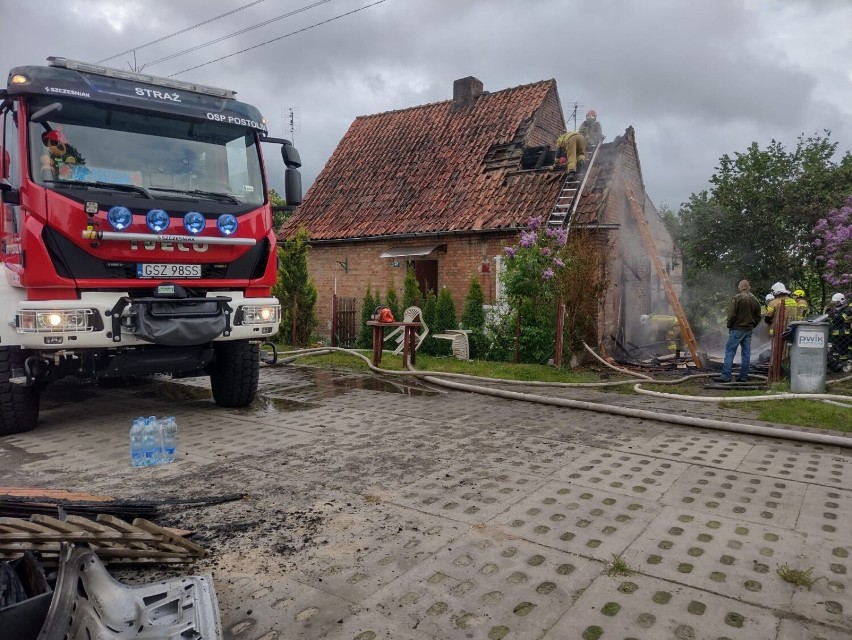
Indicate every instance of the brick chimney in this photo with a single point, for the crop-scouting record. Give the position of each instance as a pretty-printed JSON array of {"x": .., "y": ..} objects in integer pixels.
[{"x": 466, "y": 91}]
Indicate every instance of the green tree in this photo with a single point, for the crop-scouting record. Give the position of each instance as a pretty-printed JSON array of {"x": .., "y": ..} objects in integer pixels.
[
  {"x": 474, "y": 314},
  {"x": 368, "y": 305},
  {"x": 757, "y": 221},
  {"x": 392, "y": 300},
  {"x": 445, "y": 318},
  {"x": 473, "y": 319},
  {"x": 428, "y": 305},
  {"x": 410, "y": 290},
  {"x": 279, "y": 214},
  {"x": 295, "y": 290}
]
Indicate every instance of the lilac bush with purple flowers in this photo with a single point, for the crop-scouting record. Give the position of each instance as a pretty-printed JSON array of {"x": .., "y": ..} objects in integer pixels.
[
  {"x": 834, "y": 242},
  {"x": 531, "y": 285},
  {"x": 532, "y": 265},
  {"x": 544, "y": 267}
]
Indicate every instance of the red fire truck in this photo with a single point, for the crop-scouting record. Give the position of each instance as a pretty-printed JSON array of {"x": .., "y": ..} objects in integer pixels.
[{"x": 136, "y": 233}]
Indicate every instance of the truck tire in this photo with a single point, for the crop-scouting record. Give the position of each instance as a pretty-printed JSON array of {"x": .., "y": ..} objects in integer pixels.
[
  {"x": 234, "y": 373},
  {"x": 19, "y": 405}
]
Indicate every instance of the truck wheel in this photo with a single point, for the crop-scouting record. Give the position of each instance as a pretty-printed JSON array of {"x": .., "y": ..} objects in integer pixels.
[
  {"x": 234, "y": 373},
  {"x": 18, "y": 404}
]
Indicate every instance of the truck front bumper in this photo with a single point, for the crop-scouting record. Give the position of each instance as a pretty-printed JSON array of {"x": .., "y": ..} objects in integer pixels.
[{"x": 109, "y": 319}]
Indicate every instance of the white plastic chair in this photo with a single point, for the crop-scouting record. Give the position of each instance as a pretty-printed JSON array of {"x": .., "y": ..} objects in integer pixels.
[
  {"x": 412, "y": 314},
  {"x": 459, "y": 342}
]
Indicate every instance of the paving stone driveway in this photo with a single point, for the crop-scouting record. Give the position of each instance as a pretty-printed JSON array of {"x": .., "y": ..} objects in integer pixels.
[{"x": 379, "y": 510}]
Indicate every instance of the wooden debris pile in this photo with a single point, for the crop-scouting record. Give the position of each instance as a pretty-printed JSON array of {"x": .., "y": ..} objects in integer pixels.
[{"x": 112, "y": 539}]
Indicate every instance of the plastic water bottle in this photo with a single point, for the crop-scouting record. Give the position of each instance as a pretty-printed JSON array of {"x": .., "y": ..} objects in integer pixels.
[
  {"x": 151, "y": 441},
  {"x": 137, "y": 455},
  {"x": 168, "y": 428}
]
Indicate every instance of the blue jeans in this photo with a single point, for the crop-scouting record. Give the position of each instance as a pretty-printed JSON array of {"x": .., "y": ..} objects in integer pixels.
[{"x": 737, "y": 338}]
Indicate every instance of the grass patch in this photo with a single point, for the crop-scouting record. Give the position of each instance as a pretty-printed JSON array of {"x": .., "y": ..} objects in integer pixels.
[
  {"x": 618, "y": 567},
  {"x": 504, "y": 370},
  {"x": 688, "y": 388},
  {"x": 803, "y": 413},
  {"x": 798, "y": 577},
  {"x": 482, "y": 368}
]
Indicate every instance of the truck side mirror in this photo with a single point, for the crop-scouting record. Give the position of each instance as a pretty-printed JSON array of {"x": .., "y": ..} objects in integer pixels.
[
  {"x": 291, "y": 157},
  {"x": 292, "y": 186}
]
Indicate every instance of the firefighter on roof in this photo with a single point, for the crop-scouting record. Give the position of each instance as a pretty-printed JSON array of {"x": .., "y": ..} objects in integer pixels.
[
  {"x": 573, "y": 146},
  {"x": 591, "y": 129}
]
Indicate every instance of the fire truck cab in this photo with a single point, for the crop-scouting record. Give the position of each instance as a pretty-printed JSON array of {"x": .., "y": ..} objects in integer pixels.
[{"x": 135, "y": 233}]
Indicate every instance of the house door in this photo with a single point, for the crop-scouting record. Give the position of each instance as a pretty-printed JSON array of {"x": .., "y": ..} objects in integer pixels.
[{"x": 426, "y": 272}]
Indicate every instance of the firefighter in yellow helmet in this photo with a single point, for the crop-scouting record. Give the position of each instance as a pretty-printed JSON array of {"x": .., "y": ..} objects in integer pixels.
[
  {"x": 666, "y": 326},
  {"x": 801, "y": 304}
]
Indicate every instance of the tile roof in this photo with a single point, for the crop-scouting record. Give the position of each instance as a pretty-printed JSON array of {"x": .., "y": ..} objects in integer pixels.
[
  {"x": 433, "y": 168},
  {"x": 441, "y": 168}
]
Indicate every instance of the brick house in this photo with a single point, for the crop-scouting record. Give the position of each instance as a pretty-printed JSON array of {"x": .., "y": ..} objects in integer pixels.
[{"x": 445, "y": 186}]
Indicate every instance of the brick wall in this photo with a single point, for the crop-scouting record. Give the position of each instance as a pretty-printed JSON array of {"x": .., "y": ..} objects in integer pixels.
[
  {"x": 464, "y": 256},
  {"x": 635, "y": 286}
]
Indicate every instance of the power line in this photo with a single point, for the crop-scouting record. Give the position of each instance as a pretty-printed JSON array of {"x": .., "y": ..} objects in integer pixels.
[
  {"x": 177, "y": 33},
  {"x": 237, "y": 33},
  {"x": 287, "y": 35}
]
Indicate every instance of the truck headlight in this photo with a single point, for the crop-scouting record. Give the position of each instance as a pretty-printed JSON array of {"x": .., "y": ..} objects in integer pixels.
[
  {"x": 54, "y": 320},
  {"x": 261, "y": 314}
]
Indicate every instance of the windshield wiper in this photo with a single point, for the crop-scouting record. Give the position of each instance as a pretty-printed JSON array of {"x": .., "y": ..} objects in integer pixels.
[
  {"x": 103, "y": 185},
  {"x": 198, "y": 192}
]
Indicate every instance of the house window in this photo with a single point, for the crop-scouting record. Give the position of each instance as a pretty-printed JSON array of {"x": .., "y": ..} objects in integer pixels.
[{"x": 426, "y": 272}]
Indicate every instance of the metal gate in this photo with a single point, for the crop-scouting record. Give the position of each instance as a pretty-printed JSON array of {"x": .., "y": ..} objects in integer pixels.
[{"x": 344, "y": 322}]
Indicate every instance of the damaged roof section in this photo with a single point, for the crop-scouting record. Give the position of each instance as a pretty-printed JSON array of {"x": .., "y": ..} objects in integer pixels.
[
  {"x": 447, "y": 166},
  {"x": 479, "y": 162}
]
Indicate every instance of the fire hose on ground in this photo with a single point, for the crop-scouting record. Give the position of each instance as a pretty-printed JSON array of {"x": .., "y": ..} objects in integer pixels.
[{"x": 440, "y": 379}]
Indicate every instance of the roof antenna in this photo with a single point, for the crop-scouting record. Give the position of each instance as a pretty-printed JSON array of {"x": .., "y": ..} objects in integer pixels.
[
  {"x": 576, "y": 106},
  {"x": 291, "y": 122}
]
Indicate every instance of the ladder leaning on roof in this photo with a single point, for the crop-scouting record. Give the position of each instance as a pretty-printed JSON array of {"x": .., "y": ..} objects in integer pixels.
[
  {"x": 685, "y": 329},
  {"x": 569, "y": 196}
]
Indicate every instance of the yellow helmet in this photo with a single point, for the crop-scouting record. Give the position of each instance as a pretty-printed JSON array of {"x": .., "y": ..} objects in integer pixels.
[{"x": 799, "y": 293}]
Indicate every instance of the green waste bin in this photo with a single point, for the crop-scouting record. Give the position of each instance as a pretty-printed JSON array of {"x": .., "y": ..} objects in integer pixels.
[{"x": 808, "y": 357}]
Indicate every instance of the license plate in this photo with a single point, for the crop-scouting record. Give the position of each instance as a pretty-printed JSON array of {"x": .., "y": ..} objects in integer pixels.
[{"x": 162, "y": 270}]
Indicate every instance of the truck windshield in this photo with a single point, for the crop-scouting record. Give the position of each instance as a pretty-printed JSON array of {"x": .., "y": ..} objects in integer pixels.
[{"x": 164, "y": 155}]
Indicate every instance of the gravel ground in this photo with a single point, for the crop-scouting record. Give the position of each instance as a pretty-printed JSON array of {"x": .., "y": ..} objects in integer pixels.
[{"x": 378, "y": 509}]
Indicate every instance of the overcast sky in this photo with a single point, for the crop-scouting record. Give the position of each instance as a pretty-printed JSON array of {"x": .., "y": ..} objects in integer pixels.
[{"x": 695, "y": 78}]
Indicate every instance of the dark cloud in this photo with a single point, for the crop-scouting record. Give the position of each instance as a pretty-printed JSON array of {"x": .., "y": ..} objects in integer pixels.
[{"x": 695, "y": 79}]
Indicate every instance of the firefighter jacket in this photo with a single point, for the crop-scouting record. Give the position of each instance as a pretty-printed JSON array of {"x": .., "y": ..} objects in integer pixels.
[{"x": 791, "y": 313}]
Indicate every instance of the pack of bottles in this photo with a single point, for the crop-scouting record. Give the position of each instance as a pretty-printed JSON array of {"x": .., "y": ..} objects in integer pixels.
[{"x": 153, "y": 441}]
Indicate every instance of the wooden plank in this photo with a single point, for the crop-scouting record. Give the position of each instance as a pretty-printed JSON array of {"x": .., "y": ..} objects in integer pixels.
[
  {"x": 121, "y": 525},
  {"x": 187, "y": 545},
  {"x": 110, "y": 538}
]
